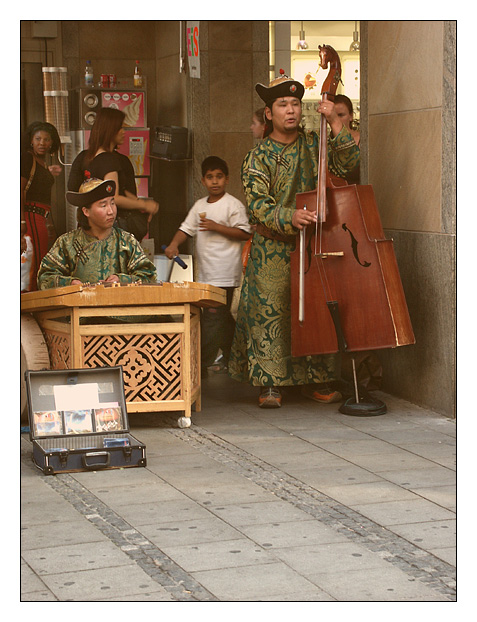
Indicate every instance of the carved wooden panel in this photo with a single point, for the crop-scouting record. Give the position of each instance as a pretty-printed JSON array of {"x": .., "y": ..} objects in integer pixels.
[
  {"x": 151, "y": 363},
  {"x": 59, "y": 349}
]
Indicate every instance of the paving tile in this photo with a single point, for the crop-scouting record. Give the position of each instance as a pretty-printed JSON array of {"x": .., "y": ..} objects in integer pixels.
[
  {"x": 364, "y": 447},
  {"x": 411, "y": 433},
  {"x": 41, "y": 596},
  {"x": 331, "y": 433},
  {"x": 390, "y": 460},
  {"x": 385, "y": 583},
  {"x": 278, "y": 448},
  {"x": 403, "y": 512},
  {"x": 448, "y": 554},
  {"x": 442, "y": 495},
  {"x": 254, "y": 583},
  {"x": 429, "y": 535},
  {"x": 75, "y": 557},
  {"x": 219, "y": 554},
  {"x": 132, "y": 494},
  {"x": 36, "y": 536},
  {"x": 48, "y": 508},
  {"x": 367, "y": 492},
  {"x": 222, "y": 493},
  {"x": 260, "y": 512},
  {"x": 337, "y": 475},
  {"x": 114, "y": 477},
  {"x": 32, "y": 587},
  {"x": 183, "y": 532},
  {"x": 100, "y": 583},
  {"x": 292, "y": 534},
  {"x": 441, "y": 452},
  {"x": 318, "y": 458},
  {"x": 162, "y": 512},
  {"x": 162, "y": 596},
  {"x": 431, "y": 475}
]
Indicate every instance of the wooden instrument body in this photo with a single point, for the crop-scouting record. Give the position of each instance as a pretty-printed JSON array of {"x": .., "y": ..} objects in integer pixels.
[
  {"x": 364, "y": 280},
  {"x": 136, "y": 294}
]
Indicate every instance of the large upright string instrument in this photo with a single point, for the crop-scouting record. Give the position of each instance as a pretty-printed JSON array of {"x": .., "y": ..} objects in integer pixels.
[{"x": 347, "y": 294}]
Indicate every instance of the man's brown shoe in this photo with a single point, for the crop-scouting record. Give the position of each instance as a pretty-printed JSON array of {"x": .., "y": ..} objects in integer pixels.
[
  {"x": 270, "y": 397},
  {"x": 321, "y": 394}
]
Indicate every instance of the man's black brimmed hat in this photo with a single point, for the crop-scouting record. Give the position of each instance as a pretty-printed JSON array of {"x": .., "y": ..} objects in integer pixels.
[
  {"x": 280, "y": 87},
  {"x": 91, "y": 191}
]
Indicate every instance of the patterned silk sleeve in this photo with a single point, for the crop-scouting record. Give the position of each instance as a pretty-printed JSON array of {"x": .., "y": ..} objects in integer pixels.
[
  {"x": 57, "y": 266},
  {"x": 256, "y": 173},
  {"x": 133, "y": 262},
  {"x": 343, "y": 153}
]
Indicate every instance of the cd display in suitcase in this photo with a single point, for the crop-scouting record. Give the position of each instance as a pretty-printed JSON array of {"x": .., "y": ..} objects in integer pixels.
[{"x": 78, "y": 421}]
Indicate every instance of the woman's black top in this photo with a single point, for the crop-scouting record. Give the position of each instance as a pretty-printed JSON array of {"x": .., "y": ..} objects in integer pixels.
[
  {"x": 101, "y": 165},
  {"x": 40, "y": 188}
]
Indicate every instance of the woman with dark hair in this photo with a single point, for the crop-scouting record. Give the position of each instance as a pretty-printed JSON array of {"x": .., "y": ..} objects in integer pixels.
[
  {"x": 36, "y": 180},
  {"x": 102, "y": 161},
  {"x": 344, "y": 110}
]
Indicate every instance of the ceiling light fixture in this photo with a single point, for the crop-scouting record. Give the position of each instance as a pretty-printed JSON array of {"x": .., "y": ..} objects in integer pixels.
[
  {"x": 302, "y": 44},
  {"x": 354, "y": 47}
]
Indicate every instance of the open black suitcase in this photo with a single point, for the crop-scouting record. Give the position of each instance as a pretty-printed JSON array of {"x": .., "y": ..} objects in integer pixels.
[{"x": 78, "y": 421}]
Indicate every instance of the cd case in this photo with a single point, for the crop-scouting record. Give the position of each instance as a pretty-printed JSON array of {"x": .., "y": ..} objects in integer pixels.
[{"x": 78, "y": 421}]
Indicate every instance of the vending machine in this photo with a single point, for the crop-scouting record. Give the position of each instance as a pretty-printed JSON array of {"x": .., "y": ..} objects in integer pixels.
[{"x": 85, "y": 103}]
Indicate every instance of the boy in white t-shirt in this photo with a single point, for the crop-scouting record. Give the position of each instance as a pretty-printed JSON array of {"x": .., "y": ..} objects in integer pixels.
[{"x": 220, "y": 224}]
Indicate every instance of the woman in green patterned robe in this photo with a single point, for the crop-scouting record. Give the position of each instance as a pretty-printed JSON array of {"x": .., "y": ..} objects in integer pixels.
[
  {"x": 282, "y": 165},
  {"x": 97, "y": 251}
]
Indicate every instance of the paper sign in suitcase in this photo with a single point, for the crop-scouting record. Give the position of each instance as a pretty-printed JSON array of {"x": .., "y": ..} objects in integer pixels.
[{"x": 78, "y": 421}]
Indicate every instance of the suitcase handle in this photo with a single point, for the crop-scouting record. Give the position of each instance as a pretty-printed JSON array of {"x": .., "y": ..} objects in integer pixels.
[{"x": 96, "y": 454}]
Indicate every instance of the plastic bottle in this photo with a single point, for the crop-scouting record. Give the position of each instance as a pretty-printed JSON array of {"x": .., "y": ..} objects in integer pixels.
[
  {"x": 88, "y": 74},
  {"x": 138, "y": 81}
]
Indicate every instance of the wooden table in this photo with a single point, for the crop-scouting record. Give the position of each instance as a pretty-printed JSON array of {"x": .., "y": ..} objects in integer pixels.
[{"x": 152, "y": 331}]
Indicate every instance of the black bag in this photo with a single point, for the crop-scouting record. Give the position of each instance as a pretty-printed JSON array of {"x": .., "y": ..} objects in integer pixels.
[{"x": 133, "y": 221}]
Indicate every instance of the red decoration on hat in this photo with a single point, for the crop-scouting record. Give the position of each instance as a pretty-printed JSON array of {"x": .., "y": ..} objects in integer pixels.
[
  {"x": 87, "y": 175},
  {"x": 282, "y": 72}
]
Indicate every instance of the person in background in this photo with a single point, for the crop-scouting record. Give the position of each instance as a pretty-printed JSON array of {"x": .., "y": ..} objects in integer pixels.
[
  {"x": 344, "y": 110},
  {"x": 97, "y": 251},
  {"x": 102, "y": 161},
  {"x": 219, "y": 223},
  {"x": 41, "y": 141},
  {"x": 258, "y": 124},
  {"x": 273, "y": 172}
]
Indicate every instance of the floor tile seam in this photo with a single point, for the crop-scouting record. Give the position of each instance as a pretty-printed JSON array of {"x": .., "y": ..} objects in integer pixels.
[
  {"x": 39, "y": 577},
  {"x": 157, "y": 565},
  {"x": 343, "y": 519}
]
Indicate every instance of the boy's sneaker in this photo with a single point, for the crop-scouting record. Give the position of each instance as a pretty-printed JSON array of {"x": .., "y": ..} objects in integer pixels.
[
  {"x": 270, "y": 397},
  {"x": 321, "y": 394}
]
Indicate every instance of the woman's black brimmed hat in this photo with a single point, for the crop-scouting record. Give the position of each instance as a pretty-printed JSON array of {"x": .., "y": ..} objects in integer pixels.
[
  {"x": 91, "y": 191},
  {"x": 280, "y": 87}
]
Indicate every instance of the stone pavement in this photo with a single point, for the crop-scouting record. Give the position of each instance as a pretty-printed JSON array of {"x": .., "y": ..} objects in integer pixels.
[{"x": 300, "y": 503}]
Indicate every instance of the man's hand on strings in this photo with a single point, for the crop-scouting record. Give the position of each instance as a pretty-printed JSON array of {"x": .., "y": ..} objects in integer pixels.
[{"x": 302, "y": 217}]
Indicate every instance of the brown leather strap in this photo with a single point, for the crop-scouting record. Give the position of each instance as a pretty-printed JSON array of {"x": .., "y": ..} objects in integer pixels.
[{"x": 273, "y": 235}]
